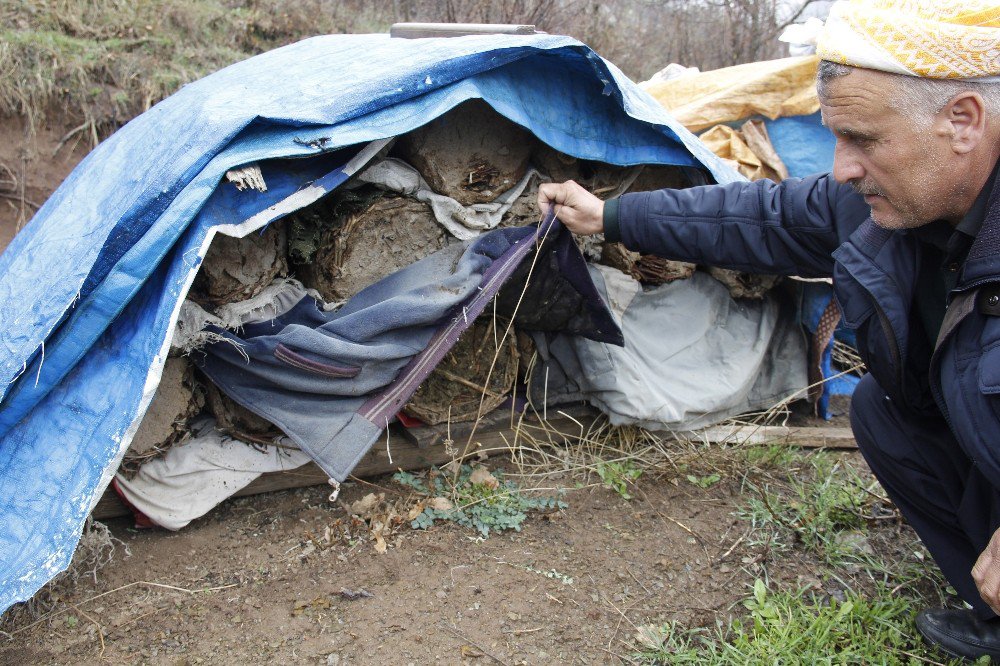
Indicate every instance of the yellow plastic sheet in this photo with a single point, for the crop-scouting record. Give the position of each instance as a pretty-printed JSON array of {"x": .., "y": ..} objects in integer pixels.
[
  {"x": 747, "y": 150},
  {"x": 772, "y": 88}
]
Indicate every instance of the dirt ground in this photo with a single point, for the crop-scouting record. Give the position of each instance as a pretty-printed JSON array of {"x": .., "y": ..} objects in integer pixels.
[
  {"x": 260, "y": 580},
  {"x": 31, "y": 167}
]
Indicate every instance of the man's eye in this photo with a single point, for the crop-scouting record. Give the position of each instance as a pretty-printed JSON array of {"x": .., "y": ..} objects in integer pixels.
[{"x": 862, "y": 142}]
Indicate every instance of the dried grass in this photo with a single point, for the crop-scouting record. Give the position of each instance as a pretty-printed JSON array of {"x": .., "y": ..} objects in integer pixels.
[
  {"x": 100, "y": 62},
  {"x": 96, "y": 550}
]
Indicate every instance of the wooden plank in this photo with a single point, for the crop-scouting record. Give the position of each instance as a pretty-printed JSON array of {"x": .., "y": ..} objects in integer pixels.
[
  {"x": 405, "y": 455},
  {"x": 420, "y": 448},
  {"x": 421, "y": 30},
  {"x": 805, "y": 437}
]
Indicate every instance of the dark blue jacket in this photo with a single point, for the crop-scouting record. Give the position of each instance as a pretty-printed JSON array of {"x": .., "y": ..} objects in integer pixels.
[{"x": 815, "y": 227}]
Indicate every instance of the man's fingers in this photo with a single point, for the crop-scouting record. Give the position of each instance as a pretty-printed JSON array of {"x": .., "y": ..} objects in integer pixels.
[
  {"x": 987, "y": 577},
  {"x": 992, "y": 594},
  {"x": 981, "y": 567},
  {"x": 579, "y": 210}
]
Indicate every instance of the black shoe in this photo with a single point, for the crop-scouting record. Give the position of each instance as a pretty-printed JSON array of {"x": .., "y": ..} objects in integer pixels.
[{"x": 960, "y": 633}]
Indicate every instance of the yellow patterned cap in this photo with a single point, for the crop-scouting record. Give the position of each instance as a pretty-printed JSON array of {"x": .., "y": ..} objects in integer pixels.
[{"x": 940, "y": 39}]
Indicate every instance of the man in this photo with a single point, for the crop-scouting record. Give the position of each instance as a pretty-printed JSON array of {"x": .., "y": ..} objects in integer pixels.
[{"x": 908, "y": 226}]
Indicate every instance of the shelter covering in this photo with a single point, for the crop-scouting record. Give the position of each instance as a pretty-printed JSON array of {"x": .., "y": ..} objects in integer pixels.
[
  {"x": 91, "y": 289},
  {"x": 771, "y": 88}
]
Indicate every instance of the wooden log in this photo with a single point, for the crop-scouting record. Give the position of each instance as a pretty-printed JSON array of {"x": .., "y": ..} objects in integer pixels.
[
  {"x": 420, "y": 448},
  {"x": 802, "y": 436},
  {"x": 414, "y": 448}
]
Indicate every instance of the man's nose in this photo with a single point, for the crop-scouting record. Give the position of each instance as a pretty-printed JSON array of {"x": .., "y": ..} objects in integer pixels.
[{"x": 846, "y": 166}]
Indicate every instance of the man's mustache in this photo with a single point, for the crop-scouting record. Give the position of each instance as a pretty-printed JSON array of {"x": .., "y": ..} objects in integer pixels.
[{"x": 867, "y": 188}]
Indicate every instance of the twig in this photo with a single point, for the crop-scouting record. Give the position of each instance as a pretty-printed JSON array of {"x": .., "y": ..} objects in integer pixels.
[
  {"x": 69, "y": 135},
  {"x": 518, "y": 632},
  {"x": 619, "y": 611},
  {"x": 100, "y": 629},
  {"x": 731, "y": 548},
  {"x": 19, "y": 198},
  {"x": 646, "y": 589},
  {"x": 391, "y": 489},
  {"x": 139, "y": 617},
  {"x": 119, "y": 589},
  {"x": 679, "y": 524},
  {"x": 621, "y": 657},
  {"x": 923, "y": 659}
]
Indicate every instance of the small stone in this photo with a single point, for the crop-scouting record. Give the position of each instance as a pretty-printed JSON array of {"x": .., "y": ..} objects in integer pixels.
[
  {"x": 440, "y": 594},
  {"x": 333, "y": 659}
]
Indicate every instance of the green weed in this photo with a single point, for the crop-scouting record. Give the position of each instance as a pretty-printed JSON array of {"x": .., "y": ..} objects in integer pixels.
[
  {"x": 706, "y": 481},
  {"x": 773, "y": 456},
  {"x": 486, "y": 507},
  {"x": 617, "y": 476},
  {"x": 820, "y": 507}
]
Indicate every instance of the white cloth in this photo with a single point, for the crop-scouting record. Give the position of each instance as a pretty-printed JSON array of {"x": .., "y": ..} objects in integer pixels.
[
  {"x": 693, "y": 356},
  {"x": 193, "y": 478},
  {"x": 463, "y": 222},
  {"x": 276, "y": 299}
]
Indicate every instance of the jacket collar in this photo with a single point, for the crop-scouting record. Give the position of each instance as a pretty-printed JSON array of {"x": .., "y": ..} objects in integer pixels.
[{"x": 983, "y": 263}]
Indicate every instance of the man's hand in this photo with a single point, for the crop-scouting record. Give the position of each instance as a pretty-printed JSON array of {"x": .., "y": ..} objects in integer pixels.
[
  {"x": 986, "y": 573},
  {"x": 578, "y": 209}
]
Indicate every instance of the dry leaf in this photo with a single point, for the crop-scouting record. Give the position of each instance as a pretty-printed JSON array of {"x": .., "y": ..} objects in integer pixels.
[
  {"x": 378, "y": 534},
  {"x": 301, "y": 607},
  {"x": 440, "y": 504},
  {"x": 649, "y": 636},
  {"x": 415, "y": 511},
  {"x": 365, "y": 505},
  {"x": 482, "y": 476}
]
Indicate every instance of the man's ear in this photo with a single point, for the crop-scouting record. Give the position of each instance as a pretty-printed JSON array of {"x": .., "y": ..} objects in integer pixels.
[{"x": 964, "y": 120}]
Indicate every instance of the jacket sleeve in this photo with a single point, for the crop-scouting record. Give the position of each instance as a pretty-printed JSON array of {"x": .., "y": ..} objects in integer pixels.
[{"x": 787, "y": 228}]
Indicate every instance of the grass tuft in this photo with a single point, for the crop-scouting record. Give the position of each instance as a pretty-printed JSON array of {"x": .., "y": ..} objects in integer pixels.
[{"x": 786, "y": 627}]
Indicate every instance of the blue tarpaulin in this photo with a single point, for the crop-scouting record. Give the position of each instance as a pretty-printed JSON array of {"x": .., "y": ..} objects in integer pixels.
[
  {"x": 90, "y": 289},
  {"x": 802, "y": 143}
]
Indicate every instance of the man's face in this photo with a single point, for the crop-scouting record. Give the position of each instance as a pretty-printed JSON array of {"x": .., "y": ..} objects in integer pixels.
[{"x": 900, "y": 164}]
